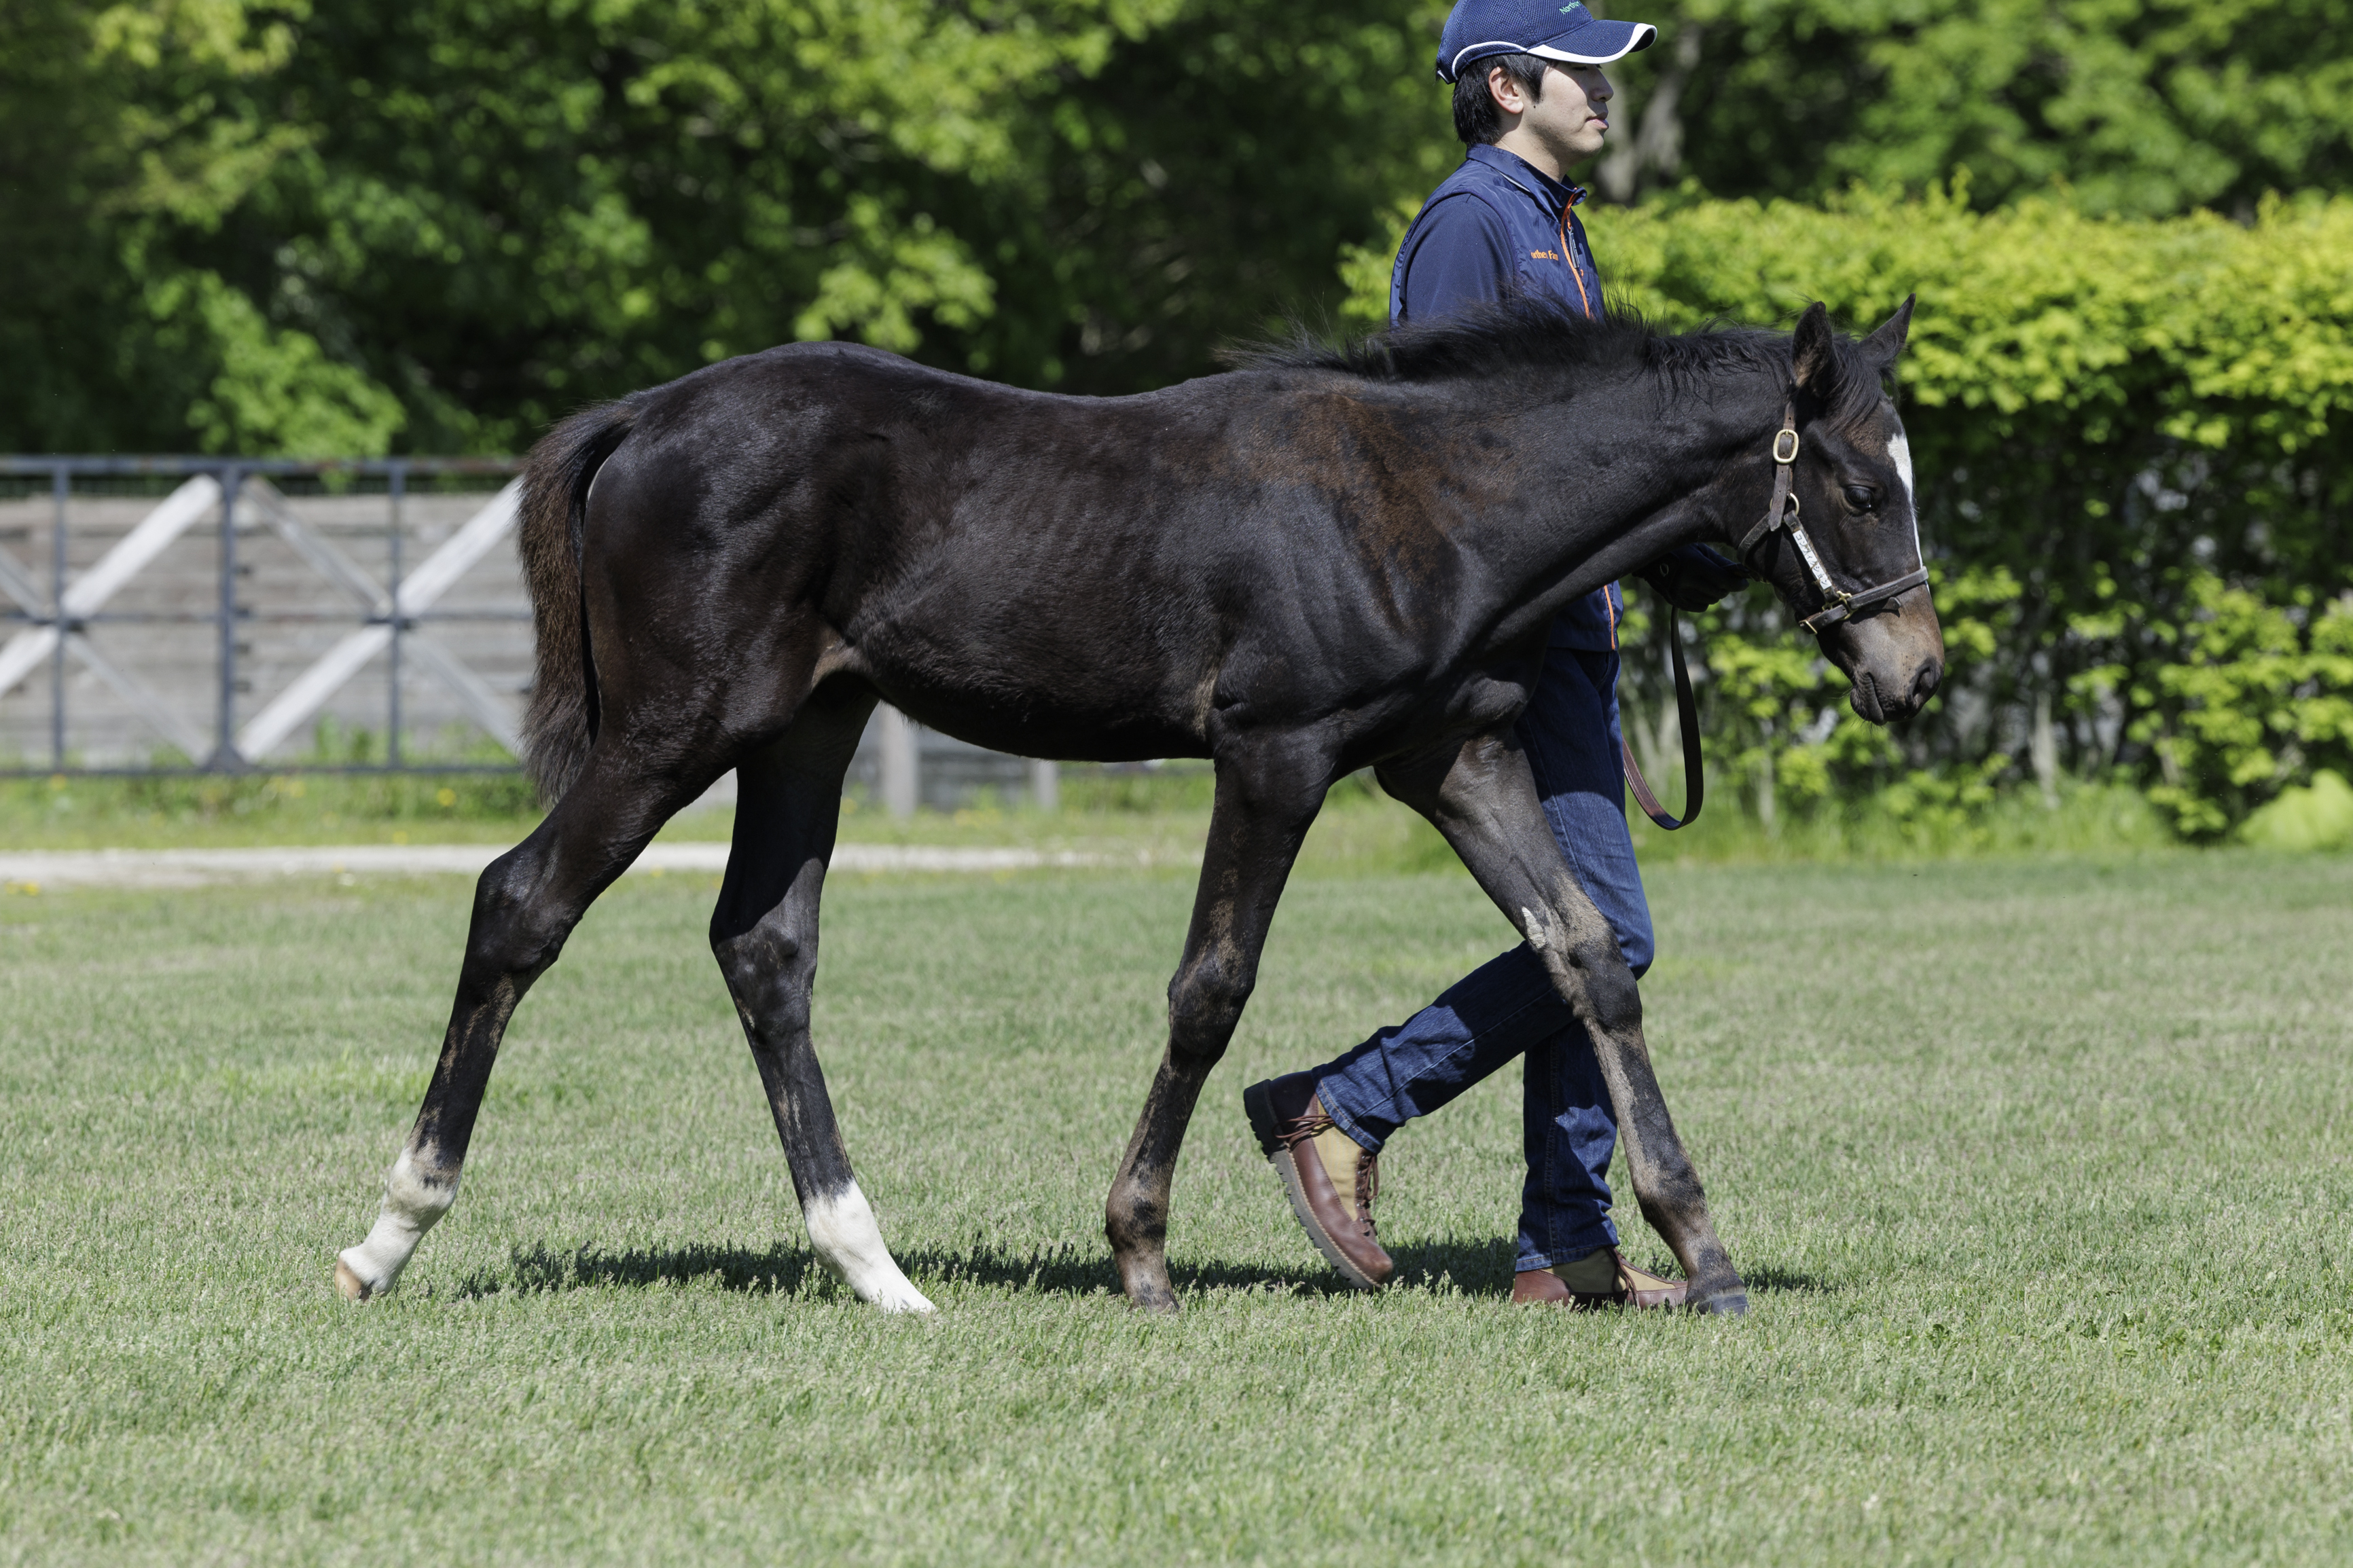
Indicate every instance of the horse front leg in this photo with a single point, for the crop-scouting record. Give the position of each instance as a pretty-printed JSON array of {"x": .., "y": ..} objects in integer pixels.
[
  {"x": 1483, "y": 797},
  {"x": 525, "y": 905},
  {"x": 1265, "y": 801}
]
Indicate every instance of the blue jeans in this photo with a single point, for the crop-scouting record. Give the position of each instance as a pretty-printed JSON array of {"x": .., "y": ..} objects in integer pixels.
[{"x": 1507, "y": 1006}]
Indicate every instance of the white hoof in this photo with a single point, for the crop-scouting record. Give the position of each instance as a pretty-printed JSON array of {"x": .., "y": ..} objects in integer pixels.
[
  {"x": 411, "y": 1205},
  {"x": 900, "y": 1297},
  {"x": 348, "y": 1283},
  {"x": 841, "y": 1228}
]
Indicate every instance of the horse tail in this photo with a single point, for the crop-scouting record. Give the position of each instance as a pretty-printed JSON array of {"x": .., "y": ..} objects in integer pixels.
[{"x": 564, "y": 715}]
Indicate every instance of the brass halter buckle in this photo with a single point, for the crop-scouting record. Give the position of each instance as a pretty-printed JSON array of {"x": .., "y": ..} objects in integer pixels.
[{"x": 1789, "y": 437}]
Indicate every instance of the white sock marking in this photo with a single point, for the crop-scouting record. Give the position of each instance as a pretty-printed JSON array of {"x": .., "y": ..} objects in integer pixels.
[
  {"x": 842, "y": 1229},
  {"x": 411, "y": 1205}
]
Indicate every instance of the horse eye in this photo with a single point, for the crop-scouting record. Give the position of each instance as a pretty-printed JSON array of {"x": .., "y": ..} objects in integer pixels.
[{"x": 1862, "y": 498}]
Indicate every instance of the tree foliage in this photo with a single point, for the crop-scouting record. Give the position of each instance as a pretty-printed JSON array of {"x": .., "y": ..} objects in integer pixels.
[
  {"x": 317, "y": 226},
  {"x": 2127, "y": 107},
  {"x": 467, "y": 217}
]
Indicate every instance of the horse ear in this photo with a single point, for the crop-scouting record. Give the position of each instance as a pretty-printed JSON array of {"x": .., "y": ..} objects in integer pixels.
[
  {"x": 1887, "y": 342},
  {"x": 1813, "y": 357}
]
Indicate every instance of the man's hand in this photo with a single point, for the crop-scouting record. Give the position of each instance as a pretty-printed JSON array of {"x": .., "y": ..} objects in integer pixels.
[{"x": 1693, "y": 577}]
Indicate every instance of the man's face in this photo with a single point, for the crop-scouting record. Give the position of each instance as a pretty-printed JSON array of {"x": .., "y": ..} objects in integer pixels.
[{"x": 1572, "y": 117}]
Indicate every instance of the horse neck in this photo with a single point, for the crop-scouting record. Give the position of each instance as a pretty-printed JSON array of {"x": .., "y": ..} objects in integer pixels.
[{"x": 1614, "y": 471}]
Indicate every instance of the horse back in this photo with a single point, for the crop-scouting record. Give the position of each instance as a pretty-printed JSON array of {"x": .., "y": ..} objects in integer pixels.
[{"x": 1088, "y": 578}]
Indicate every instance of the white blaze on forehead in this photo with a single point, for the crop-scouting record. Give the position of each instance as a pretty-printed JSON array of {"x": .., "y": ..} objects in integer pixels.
[{"x": 1899, "y": 452}]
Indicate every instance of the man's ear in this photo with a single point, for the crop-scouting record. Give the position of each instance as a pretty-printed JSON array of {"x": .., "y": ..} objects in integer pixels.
[
  {"x": 1885, "y": 344},
  {"x": 1506, "y": 90},
  {"x": 1812, "y": 355}
]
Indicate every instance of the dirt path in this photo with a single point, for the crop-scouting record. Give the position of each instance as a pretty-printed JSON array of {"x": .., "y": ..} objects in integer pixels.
[{"x": 43, "y": 869}]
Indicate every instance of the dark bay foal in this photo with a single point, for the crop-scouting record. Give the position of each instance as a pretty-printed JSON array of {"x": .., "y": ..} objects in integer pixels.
[{"x": 1321, "y": 562}]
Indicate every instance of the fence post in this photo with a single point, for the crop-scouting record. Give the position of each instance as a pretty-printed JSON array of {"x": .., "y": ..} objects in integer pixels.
[
  {"x": 225, "y": 754},
  {"x": 60, "y": 489},
  {"x": 900, "y": 788},
  {"x": 399, "y": 486},
  {"x": 1044, "y": 784}
]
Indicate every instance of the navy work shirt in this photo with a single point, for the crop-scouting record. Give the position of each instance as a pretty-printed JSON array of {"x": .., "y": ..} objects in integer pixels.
[{"x": 1498, "y": 224}]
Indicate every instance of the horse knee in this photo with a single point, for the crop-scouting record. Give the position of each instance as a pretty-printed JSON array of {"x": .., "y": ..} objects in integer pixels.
[
  {"x": 1205, "y": 1003},
  {"x": 1609, "y": 987}
]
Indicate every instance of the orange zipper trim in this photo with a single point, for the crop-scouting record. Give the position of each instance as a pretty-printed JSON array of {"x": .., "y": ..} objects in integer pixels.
[{"x": 1568, "y": 254}]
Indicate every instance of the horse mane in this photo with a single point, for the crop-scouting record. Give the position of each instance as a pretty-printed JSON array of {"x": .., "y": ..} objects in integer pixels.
[{"x": 1529, "y": 332}]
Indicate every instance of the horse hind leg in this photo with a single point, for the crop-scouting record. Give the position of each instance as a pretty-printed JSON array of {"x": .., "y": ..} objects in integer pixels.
[
  {"x": 764, "y": 935},
  {"x": 525, "y": 905}
]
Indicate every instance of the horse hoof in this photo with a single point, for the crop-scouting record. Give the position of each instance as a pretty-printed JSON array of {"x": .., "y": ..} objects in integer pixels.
[
  {"x": 350, "y": 1284},
  {"x": 905, "y": 1298},
  {"x": 1731, "y": 1301},
  {"x": 1152, "y": 1298}
]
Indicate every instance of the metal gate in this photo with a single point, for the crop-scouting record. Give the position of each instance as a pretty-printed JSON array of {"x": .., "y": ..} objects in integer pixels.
[
  {"x": 203, "y": 614},
  {"x": 202, "y": 628}
]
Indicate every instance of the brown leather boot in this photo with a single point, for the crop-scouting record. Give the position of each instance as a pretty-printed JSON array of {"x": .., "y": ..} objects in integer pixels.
[
  {"x": 1599, "y": 1280},
  {"x": 1330, "y": 1177}
]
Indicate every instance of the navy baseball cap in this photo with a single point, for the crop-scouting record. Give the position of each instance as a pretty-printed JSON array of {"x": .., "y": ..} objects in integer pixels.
[{"x": 1477, "y": 29}]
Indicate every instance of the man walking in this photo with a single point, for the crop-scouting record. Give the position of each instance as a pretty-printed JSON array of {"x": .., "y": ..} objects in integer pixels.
[{"x": 1531, "y": 101}]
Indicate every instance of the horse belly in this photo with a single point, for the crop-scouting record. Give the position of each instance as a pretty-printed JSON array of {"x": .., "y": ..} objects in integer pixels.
[{"x": 1025, "y": 689}]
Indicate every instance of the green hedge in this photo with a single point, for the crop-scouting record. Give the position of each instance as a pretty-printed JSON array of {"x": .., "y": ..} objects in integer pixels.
[{"x": 2136, "y": 472}]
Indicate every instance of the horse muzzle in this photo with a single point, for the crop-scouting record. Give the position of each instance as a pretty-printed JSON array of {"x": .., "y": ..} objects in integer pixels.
[
  {"x": 1877, "y": 704},
  {"x": 1895, "y": 659}
]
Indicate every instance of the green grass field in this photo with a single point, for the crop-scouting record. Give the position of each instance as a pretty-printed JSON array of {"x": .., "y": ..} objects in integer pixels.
[
  {"x": 1162, "y": 814},
  {"x": 2039, "y": 1172}
]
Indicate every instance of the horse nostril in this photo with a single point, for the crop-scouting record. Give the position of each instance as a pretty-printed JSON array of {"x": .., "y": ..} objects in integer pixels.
[{"x": 1924, "y": 684}]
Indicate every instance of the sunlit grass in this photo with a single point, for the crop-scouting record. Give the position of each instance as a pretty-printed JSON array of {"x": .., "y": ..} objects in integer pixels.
[
  {"x": 2039, "y": 1170},
  {"x": 1158, "y": 818}
]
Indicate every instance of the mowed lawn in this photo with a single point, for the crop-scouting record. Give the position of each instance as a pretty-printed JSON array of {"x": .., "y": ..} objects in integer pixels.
[{"x": 2039, "y": 1173}]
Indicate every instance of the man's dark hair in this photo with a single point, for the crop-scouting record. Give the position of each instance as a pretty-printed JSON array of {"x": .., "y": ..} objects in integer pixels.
[{"x": 1477, "y": 120}]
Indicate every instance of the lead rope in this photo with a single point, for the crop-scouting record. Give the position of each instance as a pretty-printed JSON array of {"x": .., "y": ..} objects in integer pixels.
[
  {"x": 1785, "y": 453},
  {"x": 1687, "y": 715}
]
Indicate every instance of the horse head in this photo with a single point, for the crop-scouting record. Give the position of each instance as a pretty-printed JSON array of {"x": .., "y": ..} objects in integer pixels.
[{"x": 1840, "y": 541}]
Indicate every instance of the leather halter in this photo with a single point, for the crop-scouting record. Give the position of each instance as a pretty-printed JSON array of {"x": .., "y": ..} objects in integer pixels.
[{"x": 1837, "y": 605}]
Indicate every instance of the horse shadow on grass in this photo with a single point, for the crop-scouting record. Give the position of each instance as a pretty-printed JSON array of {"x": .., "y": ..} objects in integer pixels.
[{"x": 1476, "y": 1268}]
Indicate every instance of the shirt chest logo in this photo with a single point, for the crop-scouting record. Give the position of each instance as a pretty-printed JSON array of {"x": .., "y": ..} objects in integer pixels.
[{"x": 1543, "y": 256}]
